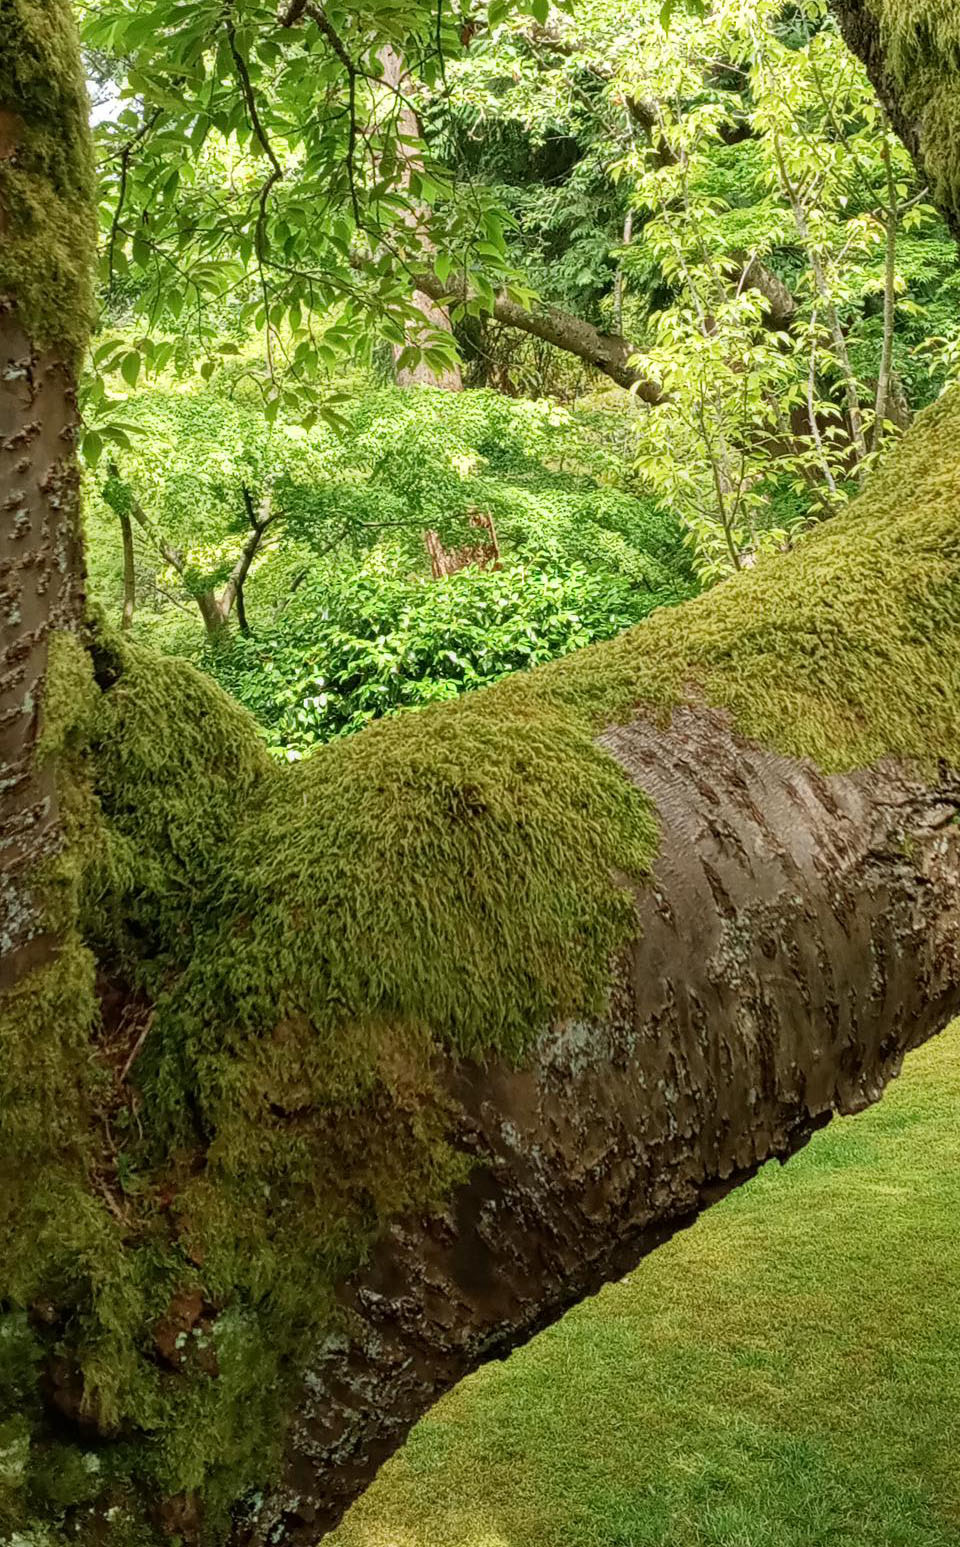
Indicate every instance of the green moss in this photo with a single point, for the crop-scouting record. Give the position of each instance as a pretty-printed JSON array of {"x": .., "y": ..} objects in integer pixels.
[
  {"x": 311, "y": 938},
  {"x": 922, "y": 41},
  {"x": 846, "y": 650},
  {"x": 46, "y": 184}
]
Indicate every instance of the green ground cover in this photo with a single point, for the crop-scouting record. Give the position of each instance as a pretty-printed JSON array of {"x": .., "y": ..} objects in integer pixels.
[{"x": 785, "y": 1374}]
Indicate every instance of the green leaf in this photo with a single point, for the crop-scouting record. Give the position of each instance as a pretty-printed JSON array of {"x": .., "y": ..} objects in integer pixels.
[
  {"x": 92, "y": 447},
  {"x": 118, "y": 435},
  {"x": 130, "y": 367}
]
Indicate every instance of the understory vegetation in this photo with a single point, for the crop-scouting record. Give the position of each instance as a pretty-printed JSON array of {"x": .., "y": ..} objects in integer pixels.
[{"x": 435, "y": 345}]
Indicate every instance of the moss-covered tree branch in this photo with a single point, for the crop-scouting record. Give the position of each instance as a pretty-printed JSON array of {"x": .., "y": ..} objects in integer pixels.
[
  {"x": 911, "y": 51},
  {"x": 397, "y": 1052}
]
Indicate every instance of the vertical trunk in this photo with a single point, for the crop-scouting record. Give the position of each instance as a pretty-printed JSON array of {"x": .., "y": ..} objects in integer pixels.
[
  {"x": 618, "y": 286},
  {"x": 46, "y": 251},
  {"x": 242, "y": 623},
  {"x": 435, "y": 316},
  {"x": 215, "y": 617}
]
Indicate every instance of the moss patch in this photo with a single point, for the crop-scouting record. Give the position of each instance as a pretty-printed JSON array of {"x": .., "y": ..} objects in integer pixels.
[
  {"x": 922, "y": 41},
  {"x": 310, "y": 942},
  {"x": 46, "y": 175}
]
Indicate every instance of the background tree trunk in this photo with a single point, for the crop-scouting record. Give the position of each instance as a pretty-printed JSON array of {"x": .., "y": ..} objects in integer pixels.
[
  {"x": 931, "y": 137},
  {"x": 435, "y": 314},
  {"x": 129, "y": 571}
]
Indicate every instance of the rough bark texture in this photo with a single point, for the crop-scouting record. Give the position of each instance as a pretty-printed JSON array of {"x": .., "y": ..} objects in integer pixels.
[
  {"x": 41, "y": 589},
  {"x": 46, "y": 253},
  {"x": 800, "y": 934}
]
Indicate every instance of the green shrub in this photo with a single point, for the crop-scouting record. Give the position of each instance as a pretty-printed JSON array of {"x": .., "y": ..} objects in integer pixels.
[{"x": 381, "y": 640}]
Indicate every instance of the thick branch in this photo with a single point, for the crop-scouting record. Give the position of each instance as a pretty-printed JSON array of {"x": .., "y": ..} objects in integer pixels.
[
  {"x": 908, "y": 101},
  {"x": 742, "y": 1019},
  {"x": 607, "y": 352}
]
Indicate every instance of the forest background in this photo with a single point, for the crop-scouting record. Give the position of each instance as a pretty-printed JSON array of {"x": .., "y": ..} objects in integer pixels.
[{"x": 707, "y": 204}]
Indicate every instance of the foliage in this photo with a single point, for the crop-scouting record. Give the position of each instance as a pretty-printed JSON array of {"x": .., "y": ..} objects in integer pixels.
[
  {"x": 734, "y": 136},
  {"x": 379, "y": 641},
  {"x": 332, "y": 202},
  {"x": 583, "y": 557}
]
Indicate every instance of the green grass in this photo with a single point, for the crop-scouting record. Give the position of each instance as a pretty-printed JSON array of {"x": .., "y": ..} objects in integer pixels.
[{"x": 785, "y": 1374}]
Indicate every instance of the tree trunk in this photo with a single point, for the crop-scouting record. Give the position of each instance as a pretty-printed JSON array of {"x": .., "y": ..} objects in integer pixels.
[
  {"x": 917, "y": 80},
  {"x": 129, "y": 572},
  {"x": 459, "y": 926},
  {"x": 43, "y": 322},
  {"x": 435, "y": 315}
]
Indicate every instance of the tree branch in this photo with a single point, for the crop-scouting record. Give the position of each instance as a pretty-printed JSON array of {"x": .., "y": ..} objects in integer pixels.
[
  {"x": 608, "y": 352},
  {"x": 260, "y": 521}
]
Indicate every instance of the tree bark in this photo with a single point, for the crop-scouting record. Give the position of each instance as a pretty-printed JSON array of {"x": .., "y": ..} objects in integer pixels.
[
  {"x": 41, "y": 561},
  {"x": 435, "y": 315},
  {"x": 860, "y": 24},
  {"x": 608, "y": 352},
  {"x": 744, "y": 1015},
  {"x": 129, "y": 572}
]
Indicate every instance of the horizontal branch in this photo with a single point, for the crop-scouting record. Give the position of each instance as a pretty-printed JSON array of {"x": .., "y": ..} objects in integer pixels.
[{"x": 607, "y": 352}]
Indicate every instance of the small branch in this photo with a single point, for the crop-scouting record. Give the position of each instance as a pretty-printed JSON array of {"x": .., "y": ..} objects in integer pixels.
[
  {"x": 172, "y": 555},
  {"x": 317, "y": 14},
  {"x": 125, "y": 155},
  {"x": 135, "y": 1050},
  {"x": 259, "y": 522}
]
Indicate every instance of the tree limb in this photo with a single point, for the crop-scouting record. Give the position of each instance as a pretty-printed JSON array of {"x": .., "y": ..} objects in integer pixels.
[
  {"x": 907, "y": 102},
  {"x": 741, "y": 1020},
  {"x": 607, "y": 352},
  {"x": 260, "y": 521}
]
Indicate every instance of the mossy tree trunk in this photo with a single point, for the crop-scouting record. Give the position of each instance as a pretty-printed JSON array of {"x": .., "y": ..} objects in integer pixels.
[
  {"x": 46, "y": 249},
  {"x": 800, "y": 934},
  {"x": 406, "y": 1048},
  {"x": 911, "y": 52}
]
